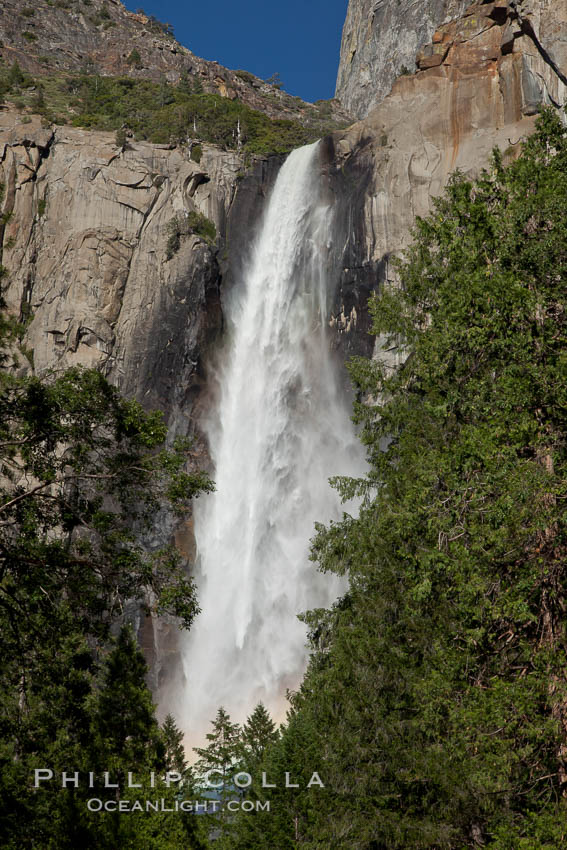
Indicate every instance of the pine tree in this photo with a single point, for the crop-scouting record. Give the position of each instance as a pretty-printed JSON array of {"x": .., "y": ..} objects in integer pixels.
[
  {"x": 15, "y": 75},
  {"x": 218, "y": 762},
  {"x": 258, "y": 733},
  {"x": 173, "y": 741},
  {"x": 222, "y": 752},
  {"x": 125, "y": 719}
]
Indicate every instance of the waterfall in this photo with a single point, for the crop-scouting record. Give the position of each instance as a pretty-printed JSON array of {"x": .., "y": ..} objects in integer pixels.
[{"x": 280, "y": 428}]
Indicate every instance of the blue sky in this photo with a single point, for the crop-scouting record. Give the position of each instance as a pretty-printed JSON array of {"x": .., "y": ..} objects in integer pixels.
[{"x": 299, "y": 39}]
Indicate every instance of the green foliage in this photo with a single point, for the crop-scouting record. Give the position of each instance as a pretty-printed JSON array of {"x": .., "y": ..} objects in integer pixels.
[
  {"x": 173, "y": 238},
  {"x": 41, "y": 206},
  {"x": 222, "y": 752},
  {"x": 91, "y": 715},
  {"x": 120, "y": 138},
  {"x": 159, "y": 112},
  {"x": 158, "y": 27},
  {"x": 258, "y": 733},
  {"x": 246, "y": 76},
  {"x": 275, "y": 80},
  {"x": 39, "y": 100},
  {"x": 221, "y": 757},
  {"x": 325, "y": 107},
  {"x": 173, "y": 743},
  {"x": 84, "y": 472},
  {"x": 196, "y": 153},
  {"x": 192, "y": 222},
  {"x": 202, "y": 226},
  {"x": 124, "y": 713},
  {"x": 134, "y": 58},
  {"x": 291, "y": 809},
  {"x": 78, "y": 456},
  {"x": 29, "y": 36},
  {"x": 15, "y": 75},
  {"x": 198, "y": 86},
  {"x": 434, "y": 705},
  {"x": 163, "y": 113}
]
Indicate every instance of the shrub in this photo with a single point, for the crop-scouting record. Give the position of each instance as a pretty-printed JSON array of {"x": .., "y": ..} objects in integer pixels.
[
  {"x": 158, "y": 27},
  {"x": 275, "y": 80},
  {"x": 202, "y": 226},
  {"x": 174, "y": 238},
  {"x": 39, "y": 99},
  {"x": 246, "y": 76},
  {"x": 194, "y": 222},
  {"x": 134, "y": 59},
  {"x": 196, "y": 153},
  {"x": 15, "y": 75}
]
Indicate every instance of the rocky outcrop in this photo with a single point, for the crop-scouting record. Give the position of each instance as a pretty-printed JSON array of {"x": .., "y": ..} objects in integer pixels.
[
  {"x": 479, "y": 84},
  {"x": 380, "y": 41},
  {"x": 103, "y": 37},
  {"x": 85, "y": 247}
]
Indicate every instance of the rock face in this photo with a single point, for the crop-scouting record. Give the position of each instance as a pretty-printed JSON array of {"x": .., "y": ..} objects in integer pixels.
[
  {"x": 103, "y": 37},
  {"x": 85, "y": 246},
  {"x": 380, "y": 41},
  {"x": 479, "y": 85}
]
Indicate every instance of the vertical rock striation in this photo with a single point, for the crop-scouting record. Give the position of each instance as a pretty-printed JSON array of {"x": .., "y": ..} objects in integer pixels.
[
  {"x": 479, "y": 84},
  {"x": 380, "y": 41}
]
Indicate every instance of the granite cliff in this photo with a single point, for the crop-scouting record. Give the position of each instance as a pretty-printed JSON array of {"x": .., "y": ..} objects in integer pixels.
[
  {"x": 479, "y": 84},
  {"x": 382, "y": 39}
]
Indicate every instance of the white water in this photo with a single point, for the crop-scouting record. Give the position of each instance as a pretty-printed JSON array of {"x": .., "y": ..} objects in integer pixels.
[{"x": 279, "y": 430}]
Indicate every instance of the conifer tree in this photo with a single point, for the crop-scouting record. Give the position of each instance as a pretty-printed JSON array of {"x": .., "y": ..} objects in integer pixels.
[
  {"x": 81, "y": 468},
  {"x": 222, "y": 752},
  {"x": 173, "y": 742},
  {"x": 15, "y": 75},
  {"x": 258, "y": 733},
  {"x": 124, "y": 712},
  {"x": 218, "y": 762}
]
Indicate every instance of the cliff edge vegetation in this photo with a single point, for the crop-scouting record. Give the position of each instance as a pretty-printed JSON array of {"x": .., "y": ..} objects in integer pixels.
[{"x": 161, "y": 113}]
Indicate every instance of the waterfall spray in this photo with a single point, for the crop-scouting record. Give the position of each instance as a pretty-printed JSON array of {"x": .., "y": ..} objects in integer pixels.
[{"x": 280, "y": 428}]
